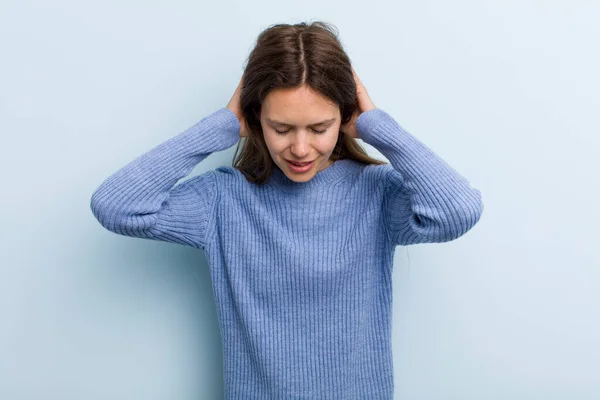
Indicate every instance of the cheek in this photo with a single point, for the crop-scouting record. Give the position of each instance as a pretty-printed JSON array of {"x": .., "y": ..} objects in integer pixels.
[
  {"x": 275, "y": 144},
  {"x": 328, "y": 143}
]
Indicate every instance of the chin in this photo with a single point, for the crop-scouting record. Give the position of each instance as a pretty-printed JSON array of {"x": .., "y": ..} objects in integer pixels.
[{"x": 301, "y": 178}]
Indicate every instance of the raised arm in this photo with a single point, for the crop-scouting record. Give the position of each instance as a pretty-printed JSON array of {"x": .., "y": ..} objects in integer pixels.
[
  {"x": 425, "y": 199},
  {"x": 140, "y": 199}
]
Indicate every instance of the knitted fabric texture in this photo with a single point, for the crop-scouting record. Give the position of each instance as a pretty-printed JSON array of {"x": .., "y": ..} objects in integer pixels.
[{"x": 301, "y": 271}]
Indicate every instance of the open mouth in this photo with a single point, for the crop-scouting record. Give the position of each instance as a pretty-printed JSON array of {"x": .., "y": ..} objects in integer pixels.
[
  {"x": 300, "y": 164},
  {"x": 300, "y": 167}
]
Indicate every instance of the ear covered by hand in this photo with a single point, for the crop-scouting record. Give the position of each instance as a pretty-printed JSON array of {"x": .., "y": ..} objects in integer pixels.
[{"x": 364, "y": 104}]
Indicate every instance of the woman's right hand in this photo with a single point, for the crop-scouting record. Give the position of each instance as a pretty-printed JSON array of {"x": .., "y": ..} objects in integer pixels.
[{"x": 235, "y": 106}]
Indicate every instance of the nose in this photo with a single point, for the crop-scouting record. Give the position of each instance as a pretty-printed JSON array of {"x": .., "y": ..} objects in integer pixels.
[{"x": 301, "y": 145}]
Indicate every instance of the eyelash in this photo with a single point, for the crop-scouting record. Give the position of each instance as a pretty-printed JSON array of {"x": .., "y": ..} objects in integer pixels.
[{"x": 284, "y": 132}]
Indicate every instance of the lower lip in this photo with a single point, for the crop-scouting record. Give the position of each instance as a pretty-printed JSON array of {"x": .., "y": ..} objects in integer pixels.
[{"x": 298, "y": 169}]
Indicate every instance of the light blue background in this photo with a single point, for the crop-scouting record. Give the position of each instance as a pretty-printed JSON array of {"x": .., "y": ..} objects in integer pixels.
[{"x": 505, "y": 91}]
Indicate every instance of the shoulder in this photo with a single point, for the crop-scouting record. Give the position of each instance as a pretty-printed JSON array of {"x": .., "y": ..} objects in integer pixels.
[
  {"x": 229, "y": 177},
  {"x": 227, "y": 172},
  {"x": 373, "y": 172},
  {"x": 383, "y": 178},
  {"x": 389, "y": 178},
  {"x": 218, "y": 178}
]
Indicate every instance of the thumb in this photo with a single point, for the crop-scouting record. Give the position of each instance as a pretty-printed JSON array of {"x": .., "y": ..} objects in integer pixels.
[{"x": 244, "y": 131}]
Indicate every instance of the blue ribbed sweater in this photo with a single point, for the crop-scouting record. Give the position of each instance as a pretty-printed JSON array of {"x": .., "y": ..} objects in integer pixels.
[{"x": 301, "y": 272}]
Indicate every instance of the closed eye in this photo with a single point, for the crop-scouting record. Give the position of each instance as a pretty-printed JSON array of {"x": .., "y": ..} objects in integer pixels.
[{"x": 314, "y": 130}]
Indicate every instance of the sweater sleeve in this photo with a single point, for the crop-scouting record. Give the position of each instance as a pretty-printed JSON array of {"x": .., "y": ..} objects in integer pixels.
[
  {"x": 140, "y": 199},
  {"x": 425, "y": 199}
]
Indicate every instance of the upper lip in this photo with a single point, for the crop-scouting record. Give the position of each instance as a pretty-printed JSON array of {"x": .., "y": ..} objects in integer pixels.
[{"x": 300, "y": 162}]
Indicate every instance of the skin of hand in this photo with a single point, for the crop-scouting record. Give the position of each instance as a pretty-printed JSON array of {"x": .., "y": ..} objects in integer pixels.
[
  {"x": 234, "y": 105},
  {"x": 364, "y": 104}
]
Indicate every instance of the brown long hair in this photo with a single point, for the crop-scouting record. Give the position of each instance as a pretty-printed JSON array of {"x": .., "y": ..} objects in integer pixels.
[{"x": 289, "y": 56}]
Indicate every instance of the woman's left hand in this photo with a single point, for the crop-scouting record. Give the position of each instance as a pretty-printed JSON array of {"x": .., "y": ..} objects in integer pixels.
[{"x": 364, "y": 104}]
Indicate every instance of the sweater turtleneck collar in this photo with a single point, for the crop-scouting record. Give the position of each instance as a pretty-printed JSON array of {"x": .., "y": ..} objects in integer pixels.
[{"x": 324, "y": 177}]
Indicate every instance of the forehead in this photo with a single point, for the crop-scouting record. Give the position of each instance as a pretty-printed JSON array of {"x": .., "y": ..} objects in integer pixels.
[{"x": 298, "y": 106}]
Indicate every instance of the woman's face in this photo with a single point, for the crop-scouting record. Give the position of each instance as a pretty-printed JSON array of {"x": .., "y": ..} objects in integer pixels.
[{"x": 309, "y": 124}]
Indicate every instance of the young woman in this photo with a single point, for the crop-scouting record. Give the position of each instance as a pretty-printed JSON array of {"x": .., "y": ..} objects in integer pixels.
[{"x": 300, "y": 232}]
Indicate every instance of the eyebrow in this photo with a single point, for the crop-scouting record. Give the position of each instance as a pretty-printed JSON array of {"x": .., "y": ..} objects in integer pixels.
[{"x": 284, "y": 124}]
